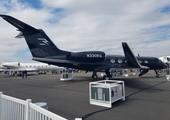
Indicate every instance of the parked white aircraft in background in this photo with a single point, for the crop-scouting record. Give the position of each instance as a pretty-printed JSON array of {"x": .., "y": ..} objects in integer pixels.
[
  {"x": 165, "y": 59},
  {"x": 17, "y": 66},
  {"x": 1, "y": 67}
]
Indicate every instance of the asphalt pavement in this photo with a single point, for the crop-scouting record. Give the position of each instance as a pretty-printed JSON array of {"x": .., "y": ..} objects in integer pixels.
[{"x": 147, "y": 97}]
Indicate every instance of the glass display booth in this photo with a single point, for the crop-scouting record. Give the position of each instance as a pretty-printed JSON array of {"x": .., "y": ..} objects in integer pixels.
[{"x": 105, "y": 92}]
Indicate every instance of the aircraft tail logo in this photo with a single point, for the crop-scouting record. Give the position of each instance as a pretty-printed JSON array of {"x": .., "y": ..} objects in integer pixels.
[{"x": 43, "y": 41}]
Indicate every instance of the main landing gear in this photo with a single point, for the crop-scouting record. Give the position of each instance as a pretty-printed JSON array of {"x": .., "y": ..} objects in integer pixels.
[
  {"x": 105, "y": 77},
  {"x": 94, "y": 76}
]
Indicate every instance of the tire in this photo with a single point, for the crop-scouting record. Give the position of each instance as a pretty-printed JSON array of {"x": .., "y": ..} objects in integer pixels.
[
  {"x": 106, "y": 78},
  {"x": 94, "y": 77}
]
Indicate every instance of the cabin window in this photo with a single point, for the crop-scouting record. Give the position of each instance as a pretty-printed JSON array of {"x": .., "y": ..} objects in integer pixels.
[
  {"x": 119, "y": 61},
  {"x": 112, "y": 60},
  {"x": 146, "y": 61},
  {"x": 125, "y": 61}
]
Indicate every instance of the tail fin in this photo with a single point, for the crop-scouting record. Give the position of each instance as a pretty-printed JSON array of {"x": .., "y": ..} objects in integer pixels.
[
  {"x": 130, "y": 57},
  {"x": 38, "y": 42}
]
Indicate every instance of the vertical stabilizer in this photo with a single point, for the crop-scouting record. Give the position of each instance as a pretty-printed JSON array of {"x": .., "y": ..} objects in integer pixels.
[{"x": 38, "y": 42}]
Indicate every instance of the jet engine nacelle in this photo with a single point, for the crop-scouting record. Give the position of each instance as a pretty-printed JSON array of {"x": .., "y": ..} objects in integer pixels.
[
  {"x": 13, "y": 64},
  {"x": 91, "y": 56}
]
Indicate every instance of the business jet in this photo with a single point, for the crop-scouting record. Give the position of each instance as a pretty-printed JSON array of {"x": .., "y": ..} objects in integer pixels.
[
  {"x": 29, "y": 67},
  {"x": 44, "y": 50}
]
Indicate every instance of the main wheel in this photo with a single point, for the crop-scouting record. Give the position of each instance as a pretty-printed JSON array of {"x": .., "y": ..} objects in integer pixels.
[
  {"x": 94, "y": 77},
  {"x": 106, "y": 77}
]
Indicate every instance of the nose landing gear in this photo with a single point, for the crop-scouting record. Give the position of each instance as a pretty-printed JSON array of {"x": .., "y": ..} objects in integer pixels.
[{"x": 157, "y": 73}]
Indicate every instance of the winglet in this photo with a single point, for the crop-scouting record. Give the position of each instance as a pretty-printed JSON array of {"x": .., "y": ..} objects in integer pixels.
[{"x": 130, "y": 57}]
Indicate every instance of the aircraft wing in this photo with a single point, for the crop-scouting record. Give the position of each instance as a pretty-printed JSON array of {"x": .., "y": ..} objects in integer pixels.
[
  {"x": 103, "y": 68},
  {"x": 130, "y": 57}
]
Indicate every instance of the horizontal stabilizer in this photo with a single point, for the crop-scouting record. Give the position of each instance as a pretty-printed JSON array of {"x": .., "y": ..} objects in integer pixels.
[
  {"x": 132, "y": 61},
  {"x": 23, "y": 27},
  {"x": 20, "y": 35}
]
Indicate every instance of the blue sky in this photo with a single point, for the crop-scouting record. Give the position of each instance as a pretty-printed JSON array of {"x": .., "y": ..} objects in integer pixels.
[
  {"x": 165, "y": 9},
  {"x": 89, "y": 25},
  {"x": 35, "y": 3}
]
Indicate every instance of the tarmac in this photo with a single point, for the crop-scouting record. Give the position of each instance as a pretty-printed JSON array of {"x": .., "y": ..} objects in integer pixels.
[{"x": 147, "y": 97}]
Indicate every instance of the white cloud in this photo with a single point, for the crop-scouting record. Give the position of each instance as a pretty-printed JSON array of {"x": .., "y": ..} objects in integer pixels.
[{"x": 90, "y": 25}]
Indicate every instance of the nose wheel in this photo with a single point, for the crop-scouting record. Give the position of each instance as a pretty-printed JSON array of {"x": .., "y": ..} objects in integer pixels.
[{"x": 157, "y": 73}]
